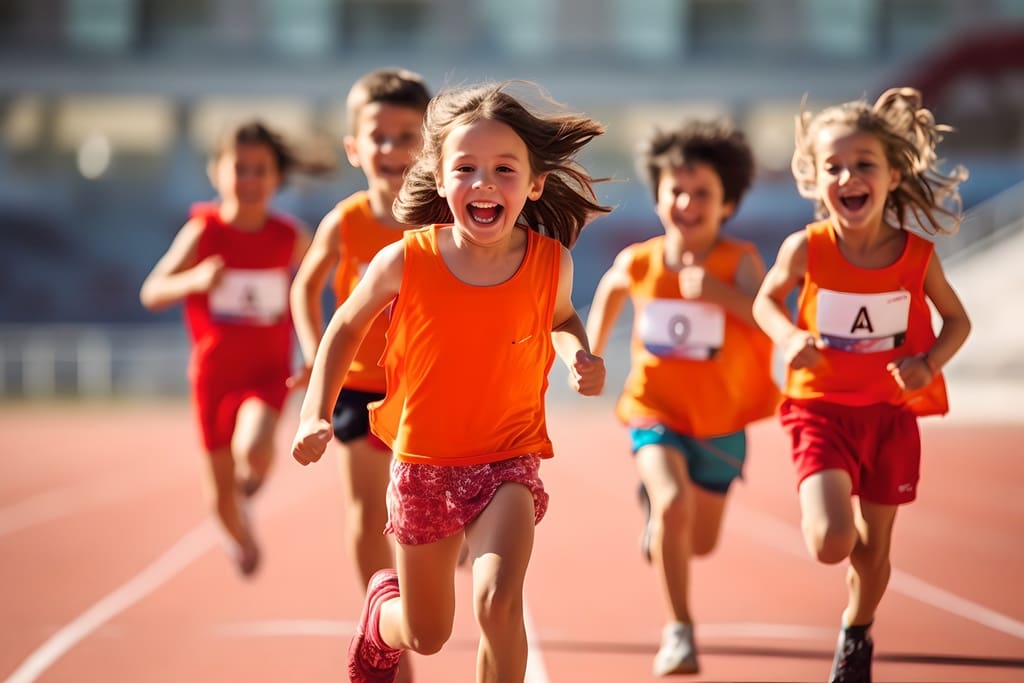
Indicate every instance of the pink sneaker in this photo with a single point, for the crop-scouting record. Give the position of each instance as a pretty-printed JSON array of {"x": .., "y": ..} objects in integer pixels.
[{"x": 370, "y": 659}]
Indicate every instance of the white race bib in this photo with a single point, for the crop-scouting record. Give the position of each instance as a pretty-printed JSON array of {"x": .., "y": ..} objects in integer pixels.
[
  {"x": 863, "y": 323},
  {"x": 673, "y": 328},
  {"x": 256, "y": 297}
]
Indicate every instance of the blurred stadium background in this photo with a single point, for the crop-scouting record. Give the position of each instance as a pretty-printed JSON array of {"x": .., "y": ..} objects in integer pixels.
[{"x": 108, "y": 109}]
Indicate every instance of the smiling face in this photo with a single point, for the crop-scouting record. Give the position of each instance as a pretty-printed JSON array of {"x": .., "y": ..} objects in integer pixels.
[
  {"x": 486, "y": 178},
  {"x": 853, "y": 176},
  {"x": 691, "y": 200},
  {"x": 246, "y": 173},
  {"x": 387, "y": 137}
]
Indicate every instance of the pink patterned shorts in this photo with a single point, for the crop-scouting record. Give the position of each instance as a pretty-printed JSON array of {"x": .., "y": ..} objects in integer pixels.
[{"x": 427, "y": 503}]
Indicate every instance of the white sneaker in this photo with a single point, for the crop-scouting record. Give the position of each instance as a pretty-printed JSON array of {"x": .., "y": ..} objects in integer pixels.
[{"x": 677, "y": 654}]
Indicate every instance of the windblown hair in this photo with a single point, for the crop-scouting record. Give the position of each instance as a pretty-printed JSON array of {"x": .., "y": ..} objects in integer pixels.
[
  {"x": 568, "y": 202},
  {"x": 716, "y": 143},
  {"x": 395, "y": 86},
  {"x": 287, "y": 159},
  {"x": 909, "y": 135}
]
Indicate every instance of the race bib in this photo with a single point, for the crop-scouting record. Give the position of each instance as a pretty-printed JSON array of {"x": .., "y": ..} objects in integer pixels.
[
  {"x": 863, "y": 323},
  {"x": 671, "y": 328},
  {"x": 254, "y": 297}
]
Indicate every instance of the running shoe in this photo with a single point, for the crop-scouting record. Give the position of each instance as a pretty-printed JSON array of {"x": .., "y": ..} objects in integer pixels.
[
  {"x": 370, "y": 660},
  {"x": 677, "y": 654},
  {"x": 852, "y": 663}
]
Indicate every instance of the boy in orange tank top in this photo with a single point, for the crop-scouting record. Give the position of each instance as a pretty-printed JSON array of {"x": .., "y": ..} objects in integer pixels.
[
  {"x": 480, "y": 306},
  {"x": 862, "y": 361},
  {"x": 384, "y": 117},
  {"x": 691, "y": 290},
  {"x": 230, "y": 264}
]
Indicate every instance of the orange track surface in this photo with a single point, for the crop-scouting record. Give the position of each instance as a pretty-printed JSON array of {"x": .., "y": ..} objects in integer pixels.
[{"x": 109, "y": 570}]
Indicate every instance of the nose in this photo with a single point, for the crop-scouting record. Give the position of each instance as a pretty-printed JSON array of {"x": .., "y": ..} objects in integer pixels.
[
  {"x": 682, "y": 200},
  {"x": 484, "y": 180},
  {"x": 844, "y": 176},
  {"x": 386, "y": 145}
]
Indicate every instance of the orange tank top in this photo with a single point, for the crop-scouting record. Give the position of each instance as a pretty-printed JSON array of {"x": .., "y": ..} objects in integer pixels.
[
  {"x": 361, "y": 236},
  {"x": 467, "y": 367},
  {"x": 866, "y": 318},
  {"x": 695, "y": 368}
]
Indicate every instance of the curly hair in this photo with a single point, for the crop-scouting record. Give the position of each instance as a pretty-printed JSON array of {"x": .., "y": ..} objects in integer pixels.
[
  {"x": 909, "y": 136},
  {"x": 716, "y": 143},
  {"x": 568, "y": 201}
]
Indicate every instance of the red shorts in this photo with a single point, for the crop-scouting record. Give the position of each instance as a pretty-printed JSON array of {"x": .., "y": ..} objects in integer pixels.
[
  {"x": 427, "y": 503},
  {"x": 878, "y": 445},
  {"x": 217, "y": 411}
]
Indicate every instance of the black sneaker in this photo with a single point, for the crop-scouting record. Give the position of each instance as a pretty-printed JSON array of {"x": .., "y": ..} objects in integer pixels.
[
  {"x": 852, "y": 663},
  {"x": 645, "y": 536}
]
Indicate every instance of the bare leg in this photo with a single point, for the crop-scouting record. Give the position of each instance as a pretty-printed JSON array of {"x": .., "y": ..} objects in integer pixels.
[
  {"x": 365, "y": 471},
  {"x": 870, "y": 568},
  {"x": 501, "y": 539},
  {"x": 827, "y": 515},
  {"x": 252, "y": 444}
]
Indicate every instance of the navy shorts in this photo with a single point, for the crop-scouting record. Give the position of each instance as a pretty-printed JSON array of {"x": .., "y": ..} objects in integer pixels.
[{"x": 351, "y": 419}]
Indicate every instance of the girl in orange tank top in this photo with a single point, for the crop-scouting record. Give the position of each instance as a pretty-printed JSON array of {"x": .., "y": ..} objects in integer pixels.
[
  {"x": 862, "y": 360},
  {"x": 481, "y": 304}
]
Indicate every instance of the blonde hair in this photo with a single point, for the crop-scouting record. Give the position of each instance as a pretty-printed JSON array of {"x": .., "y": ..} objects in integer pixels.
[
  {"x": 909, "y": 136},
  {"x": 568, "y": 201}
]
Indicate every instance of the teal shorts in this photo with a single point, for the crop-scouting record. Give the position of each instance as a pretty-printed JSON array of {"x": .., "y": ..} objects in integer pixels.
[{"x": 712, "y": 463}]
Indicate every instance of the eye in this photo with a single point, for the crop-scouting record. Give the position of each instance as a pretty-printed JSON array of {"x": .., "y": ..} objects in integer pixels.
[
  {"x": 463, "y": 168},
  {"x": 505, "y": 169},
  {"x": 832, "y": 169},
  {"x": 866, "y": 165}
]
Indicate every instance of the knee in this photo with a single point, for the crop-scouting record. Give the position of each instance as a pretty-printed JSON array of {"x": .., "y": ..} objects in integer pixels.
[
  {"x": 829, "y": 543},
  {"x": 672, "y": 512},
  {"x": 498, "y": 608},
  {"x": 869, "y": 559},
  {"x": 704, "y": 543},
  {"x": 428, "y": 638}
]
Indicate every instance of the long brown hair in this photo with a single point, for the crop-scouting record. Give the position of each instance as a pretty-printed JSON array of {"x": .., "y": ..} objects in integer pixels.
[{"x": 568, "y": 202}]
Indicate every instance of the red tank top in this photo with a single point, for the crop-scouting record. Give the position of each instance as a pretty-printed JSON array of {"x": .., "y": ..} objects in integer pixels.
[
  {"x": 361, "y": 236},
  {"x": 243, "y": 324},
  {"x": 695, "y": 368},
  {"x": 467, "y": 366},
  {"x": 867, "y": 318}
]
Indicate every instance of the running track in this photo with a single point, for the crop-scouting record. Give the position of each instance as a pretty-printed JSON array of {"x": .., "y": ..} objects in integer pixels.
[{"x": 109, "y": 570}]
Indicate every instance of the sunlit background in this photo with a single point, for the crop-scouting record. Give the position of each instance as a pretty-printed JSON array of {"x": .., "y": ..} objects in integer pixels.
[{"x": 108, "y": 109}]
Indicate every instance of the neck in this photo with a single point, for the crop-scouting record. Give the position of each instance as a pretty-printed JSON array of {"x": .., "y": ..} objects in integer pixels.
[
  {"x": 381, "y": 202},
  {"x": 246, "y": 217}
]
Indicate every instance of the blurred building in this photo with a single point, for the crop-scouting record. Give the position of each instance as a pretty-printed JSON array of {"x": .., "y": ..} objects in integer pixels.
[{"x": 108, "y": 107}]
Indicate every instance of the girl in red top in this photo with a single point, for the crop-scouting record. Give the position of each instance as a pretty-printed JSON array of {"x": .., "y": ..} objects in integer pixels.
[
  {"x": 862, "y": 360},
  {"x": 231, "y": 264},
  {"x": 481, "y": 306}
]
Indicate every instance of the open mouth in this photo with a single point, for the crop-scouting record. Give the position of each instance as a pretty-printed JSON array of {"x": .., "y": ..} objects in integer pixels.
[
  {"x": 484, "y": 213},
  {"x": 854, "y": 202}
]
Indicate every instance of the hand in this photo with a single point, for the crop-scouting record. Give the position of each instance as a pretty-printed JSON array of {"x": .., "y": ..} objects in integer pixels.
[
  {"x": 695, "y": 282},
  {"x": 311, "y": 440},
  {"x": 587, "y": 373},
  {"x": 207, "y": 273},
  {"x": 801, "y": 350},
  {"x": 911, "y": 373},
  {"x": 299, "y": 378}
]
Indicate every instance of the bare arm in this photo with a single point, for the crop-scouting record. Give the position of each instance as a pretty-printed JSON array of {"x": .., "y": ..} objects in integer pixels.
[
  {"x": 586, "y": 371},
  {"x": 799, "y": 347},
  {"x": 738, "y": 299},
  {"x": 177, "y": 274},
  {"x": 338, "y": 347},
  {"x": 309, "y": 282},
  {"x": 609, "y": 297},
  {"x": 918, "y": 371}
]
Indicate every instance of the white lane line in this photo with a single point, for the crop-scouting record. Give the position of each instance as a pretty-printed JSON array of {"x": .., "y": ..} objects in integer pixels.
[
  {"x": 177, "y": 557},
  {"x": 774, "y": 532},
  {"x": 933, "y": 595},
  {"x": 536, "y": 672}
]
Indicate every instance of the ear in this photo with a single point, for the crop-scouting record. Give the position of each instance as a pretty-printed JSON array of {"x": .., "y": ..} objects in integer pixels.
[
  {"x": 537, "y": 188},
  {"x": 351, "y": 151},
  {"x": 895, "y": 179},
  {"x": 728, "y": 209}
]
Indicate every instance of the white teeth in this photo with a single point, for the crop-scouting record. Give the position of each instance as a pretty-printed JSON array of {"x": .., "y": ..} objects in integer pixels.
[{"x": 483, "y": 205}]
